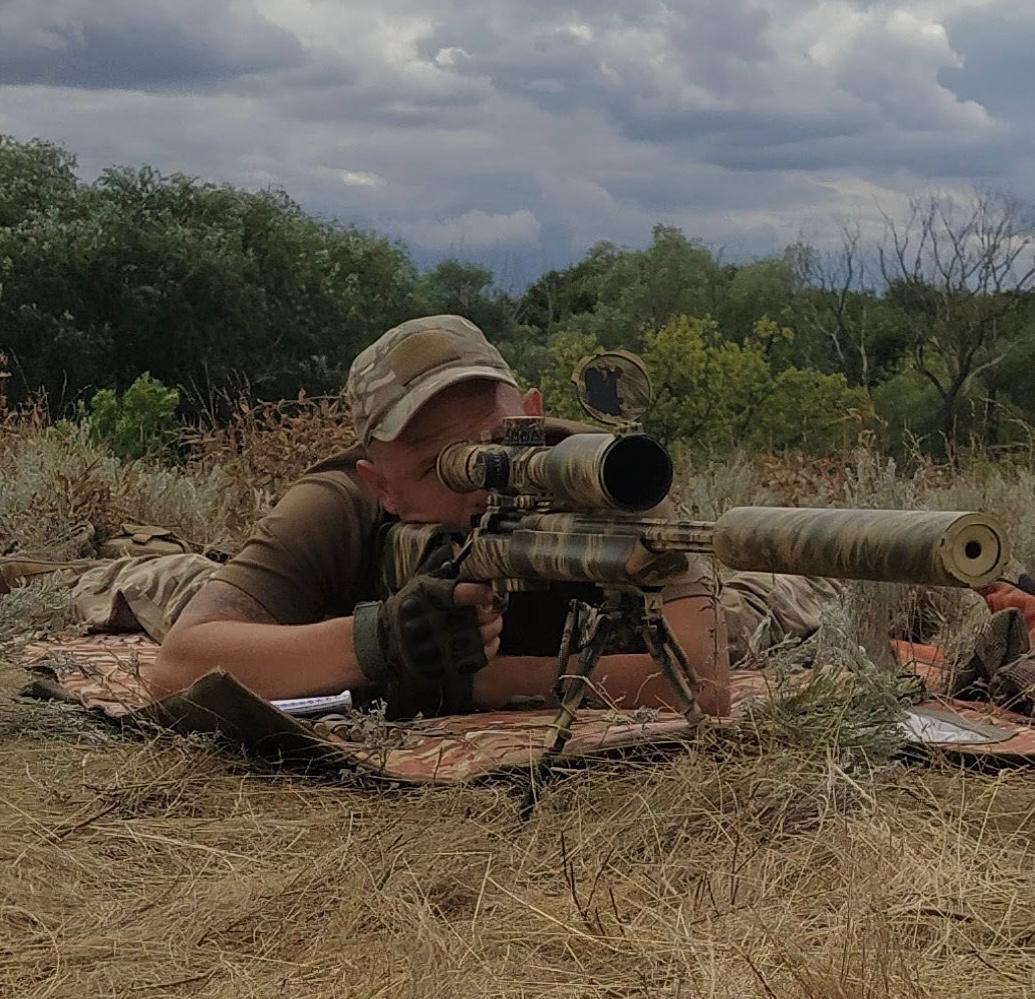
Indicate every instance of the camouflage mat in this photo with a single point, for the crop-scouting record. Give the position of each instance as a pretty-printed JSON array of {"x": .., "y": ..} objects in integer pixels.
[{"x": 100, "y": 672}]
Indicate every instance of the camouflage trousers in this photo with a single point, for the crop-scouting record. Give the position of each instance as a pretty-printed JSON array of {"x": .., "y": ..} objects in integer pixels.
[
  {"x": 138, "y": 592},
  {"x": 764, "y": 610},
  {"x": 149, "y": 592}
]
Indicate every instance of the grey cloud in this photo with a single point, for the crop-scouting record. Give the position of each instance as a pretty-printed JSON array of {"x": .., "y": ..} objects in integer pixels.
[
  {"x": 582, "y": 55},
  {"x": 738, "y": 126},
  {"x": 998, "y": 70},
  {"x": 479, "y": 129},
  {"x": 931, "y": 156},
  {"x": 710, "y": 78},
  {"x": 99, "y": 44}
]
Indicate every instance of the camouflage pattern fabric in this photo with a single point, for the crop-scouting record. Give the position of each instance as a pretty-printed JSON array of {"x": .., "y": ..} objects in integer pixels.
[
  {"x": 142, "y": 539},
  {"x": 401, "y": 370},
  {"x": 102, "y": 672},
  {"x": 137, "y": 593},
  {"x": 764, "y": 610},
  {"x": 19, "y": 570}
]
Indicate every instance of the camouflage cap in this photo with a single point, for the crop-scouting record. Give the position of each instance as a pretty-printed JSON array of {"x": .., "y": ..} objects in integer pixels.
[{"x": 401, "y": 370}]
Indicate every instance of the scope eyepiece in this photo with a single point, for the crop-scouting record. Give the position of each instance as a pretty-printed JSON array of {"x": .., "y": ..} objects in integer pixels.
[{"x": 492, "y": 469}]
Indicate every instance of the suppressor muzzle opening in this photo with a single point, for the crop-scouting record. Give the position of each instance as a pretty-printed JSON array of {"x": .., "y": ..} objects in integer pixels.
[{"x": 636, "y": 473}]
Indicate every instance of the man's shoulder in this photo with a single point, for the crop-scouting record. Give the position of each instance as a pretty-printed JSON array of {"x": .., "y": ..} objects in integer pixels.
[
  {"x": 341, "y": 462},
  {"x": 330, "y": 488}
]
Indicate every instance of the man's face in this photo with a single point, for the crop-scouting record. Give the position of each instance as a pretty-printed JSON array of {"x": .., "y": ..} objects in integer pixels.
[{"x": 402, "y": 472}]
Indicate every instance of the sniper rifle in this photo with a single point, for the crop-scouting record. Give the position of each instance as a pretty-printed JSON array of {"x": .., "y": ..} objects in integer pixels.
[{"x": 579, "y": 511}]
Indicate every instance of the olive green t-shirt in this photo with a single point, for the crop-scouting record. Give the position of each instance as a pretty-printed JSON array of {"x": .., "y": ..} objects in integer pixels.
[{"x": 314, "y": 557}]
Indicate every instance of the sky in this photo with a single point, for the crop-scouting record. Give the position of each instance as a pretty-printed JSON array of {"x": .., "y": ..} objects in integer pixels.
[{"x": 518, "y": 133}]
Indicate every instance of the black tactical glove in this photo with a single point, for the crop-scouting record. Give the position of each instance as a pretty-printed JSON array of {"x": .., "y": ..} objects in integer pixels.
[{"x": 418, "y": 646}]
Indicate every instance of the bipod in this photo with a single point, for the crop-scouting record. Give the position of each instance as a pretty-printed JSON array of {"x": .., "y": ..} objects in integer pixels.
[{"x": 589, "y": 629}]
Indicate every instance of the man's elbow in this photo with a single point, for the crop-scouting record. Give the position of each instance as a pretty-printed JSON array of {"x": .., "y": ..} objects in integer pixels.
[{"x": 179, "y": 663}]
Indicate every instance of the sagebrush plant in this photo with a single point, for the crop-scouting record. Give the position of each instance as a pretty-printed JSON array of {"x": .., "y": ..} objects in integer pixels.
[
  {"x": 40, "y": 610},
  {"x": 62, "y": 491},
  {"x": 850, "y": 703}
]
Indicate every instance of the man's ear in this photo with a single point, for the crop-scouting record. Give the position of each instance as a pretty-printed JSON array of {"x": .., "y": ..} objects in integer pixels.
[
  {"x": 374, "y": 479},
  {"x": 532, "y": 402}
]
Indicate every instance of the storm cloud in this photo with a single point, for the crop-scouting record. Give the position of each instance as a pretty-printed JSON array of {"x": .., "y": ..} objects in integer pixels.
[{"x": 526, "y": 131}]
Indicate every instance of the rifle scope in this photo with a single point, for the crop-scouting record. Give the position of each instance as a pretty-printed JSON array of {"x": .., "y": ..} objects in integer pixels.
[{"x": 630, "y": 472}]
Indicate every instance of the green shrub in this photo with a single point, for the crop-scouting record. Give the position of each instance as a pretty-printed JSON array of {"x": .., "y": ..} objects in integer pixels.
[
  {"x": 139, "y": 423},
  {"x": 714, "y": 394}
]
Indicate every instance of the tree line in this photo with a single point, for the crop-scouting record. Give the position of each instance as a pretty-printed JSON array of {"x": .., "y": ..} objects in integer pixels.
[{"x": 924, "y": 335}]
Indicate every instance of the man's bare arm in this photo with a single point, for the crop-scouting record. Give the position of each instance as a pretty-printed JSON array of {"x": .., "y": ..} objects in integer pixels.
[
  {"x": 219, "y": 601},
  {"x": 224, "y": 628}
]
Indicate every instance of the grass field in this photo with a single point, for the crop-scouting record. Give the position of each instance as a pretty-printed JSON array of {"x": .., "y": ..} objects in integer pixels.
[{"x": 792, "y": 860}]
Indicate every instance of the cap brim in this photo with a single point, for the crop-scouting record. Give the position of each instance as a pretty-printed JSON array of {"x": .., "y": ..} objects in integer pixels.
[{"x": 392, "y": 424}]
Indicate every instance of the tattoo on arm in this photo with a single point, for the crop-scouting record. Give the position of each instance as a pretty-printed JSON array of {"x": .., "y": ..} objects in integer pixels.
[{"x": 219, "y": 601}]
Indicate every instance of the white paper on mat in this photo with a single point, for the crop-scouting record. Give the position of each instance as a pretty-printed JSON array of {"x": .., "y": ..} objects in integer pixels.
[
  {"x": 925, "y": 725},
  {"x": 314, "y": 705}
]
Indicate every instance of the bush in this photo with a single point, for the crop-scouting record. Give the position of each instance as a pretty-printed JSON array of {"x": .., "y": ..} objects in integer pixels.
[
  {"x": 141, "y": 423},
  {"x": 713, "y": 394}
]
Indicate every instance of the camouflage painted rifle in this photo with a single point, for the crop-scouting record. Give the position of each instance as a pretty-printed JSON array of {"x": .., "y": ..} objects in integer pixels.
[{"x": 574, "y": 512}]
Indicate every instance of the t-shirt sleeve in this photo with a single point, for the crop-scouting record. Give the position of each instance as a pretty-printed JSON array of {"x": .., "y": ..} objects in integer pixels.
[{"x": 309, "y": 558}]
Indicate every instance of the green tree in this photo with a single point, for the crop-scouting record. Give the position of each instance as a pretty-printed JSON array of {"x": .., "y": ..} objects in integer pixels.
[
  {"x": 644, "y": 290},
  {"x": 34, "y": 176},
  {"x": 631, "y": 291},
  {"x": 466, "y": 289},
  {"x": 204, "y": 285},
  {"x": 959, "y": 274},
  {"x": 843, "y": 324},
  {"x": 559, "y": 295},
  {"x": 754, "y": 291},
  {"x": 714, "y": 394}
]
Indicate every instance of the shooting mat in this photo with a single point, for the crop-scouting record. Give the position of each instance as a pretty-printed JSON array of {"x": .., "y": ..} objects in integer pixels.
[{"x": 100, "y": 673}]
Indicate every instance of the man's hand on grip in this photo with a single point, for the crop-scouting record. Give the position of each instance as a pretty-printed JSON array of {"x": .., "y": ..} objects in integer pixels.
[{"x": 432, "y": 635}]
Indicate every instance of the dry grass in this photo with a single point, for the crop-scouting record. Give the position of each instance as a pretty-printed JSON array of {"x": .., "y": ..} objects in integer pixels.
[
  {"x": 263, "y": 447},
  {"x": 796, "y": 859},
  {"x": 159, "y": 867},
  {"x": 61, "y": 491}
]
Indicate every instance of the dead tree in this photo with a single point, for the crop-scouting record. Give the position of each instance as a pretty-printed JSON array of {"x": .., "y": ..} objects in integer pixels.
[
  {"x": 959, "y": 272},
  {"x": 836, "y": 303}
]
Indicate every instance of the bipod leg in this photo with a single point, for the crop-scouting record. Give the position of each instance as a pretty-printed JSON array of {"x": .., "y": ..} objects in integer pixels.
[
  {"x": 597, "y": 625},
  {"x": 669, "y": 655},
  {"x": 573, "y": 624}
]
